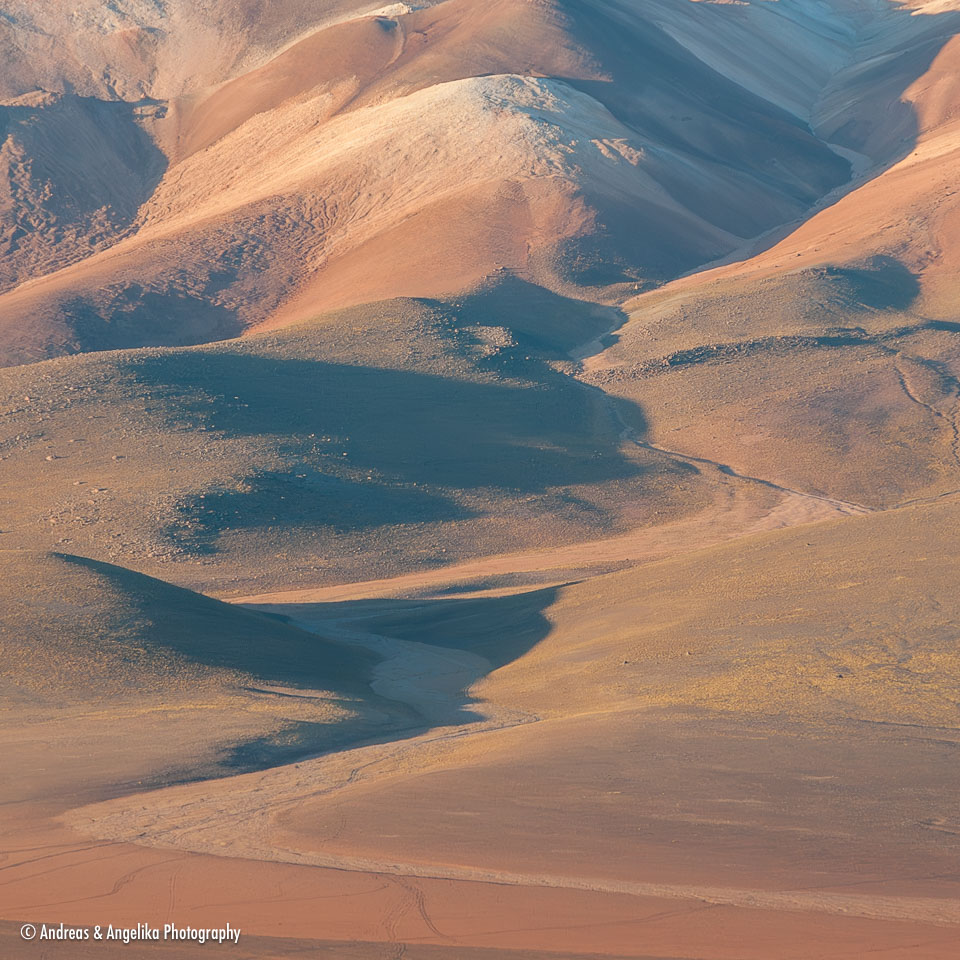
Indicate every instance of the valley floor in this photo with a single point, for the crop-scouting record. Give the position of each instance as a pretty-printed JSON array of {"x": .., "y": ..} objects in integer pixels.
[{"x": 644, "y": 828}]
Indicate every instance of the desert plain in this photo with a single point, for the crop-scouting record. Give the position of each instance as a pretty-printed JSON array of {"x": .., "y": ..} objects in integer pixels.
[{"x": 481, "y": 481}]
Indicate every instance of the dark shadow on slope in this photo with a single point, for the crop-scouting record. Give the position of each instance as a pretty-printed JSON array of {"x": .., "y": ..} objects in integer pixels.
[
  {"x": 78, "y": 170},
  {"x": 659, "y": 88},
  {"x": 829, "y": 301},
  {"x": 626, "y": 252},
  {"x": 679, "y": 105},
  {"x": 357, "y": 447},
  {"x": 406, "y": 425},
  {"x": 498, "y": 629},
  {"x": 153, "y": 616},
  {"x": 882, "y": 283},
  {"x": 133, "y": 317},
  {"x": 300, "y": 740},
  {"x": 129, "y": 657},
  {"x": 307, "y": 501}
]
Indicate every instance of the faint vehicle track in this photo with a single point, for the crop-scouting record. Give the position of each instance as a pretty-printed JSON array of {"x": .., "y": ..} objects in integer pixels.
[{"x": 950, "y": 390}]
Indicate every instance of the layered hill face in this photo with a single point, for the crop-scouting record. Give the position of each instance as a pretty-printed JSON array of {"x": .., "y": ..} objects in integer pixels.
[
  {"x": 569, "y": 143},
  {"x": 825, "y": 353}
]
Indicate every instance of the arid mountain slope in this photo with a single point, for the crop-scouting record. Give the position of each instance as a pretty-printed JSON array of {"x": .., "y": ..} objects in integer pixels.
[
  {"x": 107, "y": 634},
  {"x": 826, "y": 355},
  {"x": 848, "y": 620},
  {"x": 141, "y": 49},
  {"x": 580, "y": 449},
  {"x": 73, "y": 174},
  {"x": 110, "y": 678},
  {"x": 415, "y": 152},
  {"x": 831, "y": 380},
  {"x": 372, "y": 441}
]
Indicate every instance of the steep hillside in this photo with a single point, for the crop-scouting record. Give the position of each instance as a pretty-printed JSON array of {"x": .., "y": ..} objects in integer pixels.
[
  {"x": 365, "y": 443},
  {"x": 825, "y": 355},
  {"x": 73, "y": 174},
  {"x": 108, "y": 634},
  {"x": 414, "y": 152},
  {"x": 110, "y": 678}
]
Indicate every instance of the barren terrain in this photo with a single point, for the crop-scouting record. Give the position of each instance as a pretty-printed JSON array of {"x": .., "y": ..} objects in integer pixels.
[{"x": 481, "y": 481}]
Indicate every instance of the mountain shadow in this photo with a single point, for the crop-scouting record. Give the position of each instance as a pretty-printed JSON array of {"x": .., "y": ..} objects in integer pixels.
[{"x": 349, "y": 447}]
